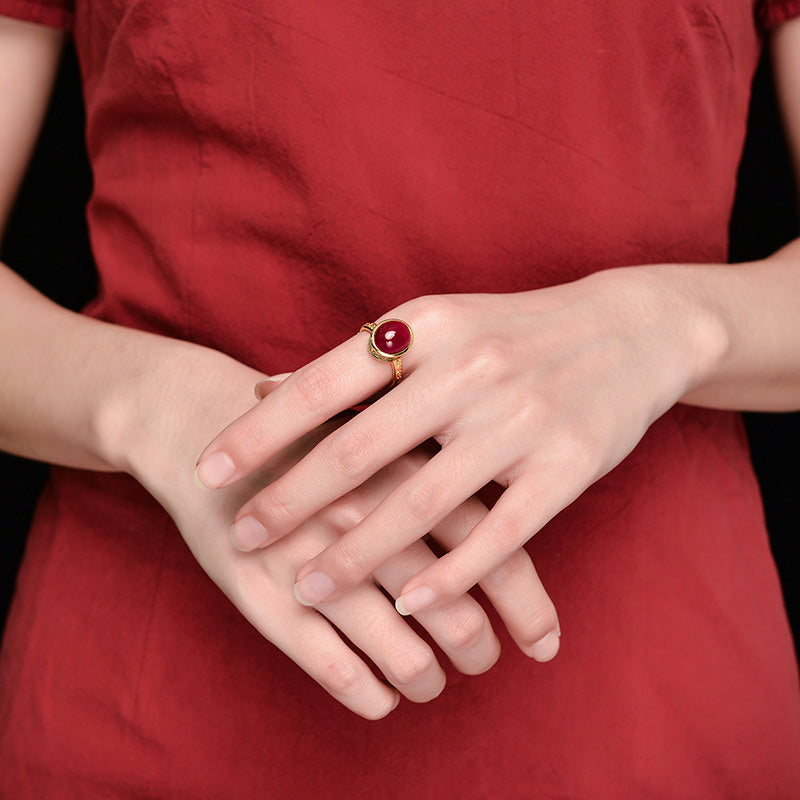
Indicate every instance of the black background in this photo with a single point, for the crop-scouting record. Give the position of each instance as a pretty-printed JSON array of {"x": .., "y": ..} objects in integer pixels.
[{"x": 47, "y": 243}]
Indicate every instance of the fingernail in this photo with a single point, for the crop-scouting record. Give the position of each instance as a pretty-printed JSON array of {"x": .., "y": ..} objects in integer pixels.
[
  {"x": 248, "y": 533},
  {"x": 215, "y": 469},
  {"x": 314, "y": 588},
  {"x": 263, "y": 388},
  {"x": 546, "y": 648},
  {"x": 416, "y": 600}
]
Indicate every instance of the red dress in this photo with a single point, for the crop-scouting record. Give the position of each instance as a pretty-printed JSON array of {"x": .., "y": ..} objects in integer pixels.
[{"x": 261, "y": 163}]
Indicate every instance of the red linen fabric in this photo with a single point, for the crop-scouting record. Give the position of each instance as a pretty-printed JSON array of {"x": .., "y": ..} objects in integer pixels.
[
  {"x": 54, "y": 13},
  {"x": 771, "y": 13},
  {"x": 260, "y": 166}
]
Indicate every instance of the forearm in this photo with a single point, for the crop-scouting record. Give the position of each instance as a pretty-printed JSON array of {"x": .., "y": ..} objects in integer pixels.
[
  {"x": 51, "y": 378},
  {"x": 81, "y": 392}
]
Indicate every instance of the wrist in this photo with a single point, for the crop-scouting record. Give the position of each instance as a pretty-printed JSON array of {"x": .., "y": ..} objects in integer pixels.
[
  {"x": 674, "y": 312},
  {"x": 164, "y": 396},
  {"x": 171, "y": 398},
  {"x": 755, "y": 304}
]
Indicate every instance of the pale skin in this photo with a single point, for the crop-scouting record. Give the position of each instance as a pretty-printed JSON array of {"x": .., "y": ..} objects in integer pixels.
[
  {"x": 596, "y": 379},
  {"x": 580, "y": 372},
  {"x": 144, "y": 404}
]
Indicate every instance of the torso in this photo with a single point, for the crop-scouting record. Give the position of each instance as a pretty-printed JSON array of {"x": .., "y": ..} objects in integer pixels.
[{"x": 260, "y": 165}]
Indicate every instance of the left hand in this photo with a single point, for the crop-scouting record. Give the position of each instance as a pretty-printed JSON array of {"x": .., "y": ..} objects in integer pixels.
[{"x": 543, "y": 392}]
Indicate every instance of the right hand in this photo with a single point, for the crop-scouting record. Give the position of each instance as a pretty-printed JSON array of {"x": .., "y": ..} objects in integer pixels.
[{"x": 175, "y": 414}]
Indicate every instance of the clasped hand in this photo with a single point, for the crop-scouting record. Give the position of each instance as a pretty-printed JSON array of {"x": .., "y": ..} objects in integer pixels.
[
  {"x": 164, "y": 417},
  {"x": 542, "y": 392}
]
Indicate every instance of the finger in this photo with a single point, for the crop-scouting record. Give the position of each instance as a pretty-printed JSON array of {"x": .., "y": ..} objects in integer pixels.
[
  {"x": 461, "y": 627},
  {"x": 342, "y": 461},
  {"x": 363, "y": 615},
  {"x": 513, "y": 588},
  {"x": 415, "y": 507},
  {"x": 332, "y": 383},
  {"x": 312, "y": 643},
  {"x": 524, "y": 508},
  {"x": 372, "y": 624}
]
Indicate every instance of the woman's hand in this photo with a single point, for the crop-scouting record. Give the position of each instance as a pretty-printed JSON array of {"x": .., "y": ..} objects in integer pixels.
[
  {"x": 542, "y": 392},
  {"x": 176, "y": 409},
  {"x": 145, "y": 404}
]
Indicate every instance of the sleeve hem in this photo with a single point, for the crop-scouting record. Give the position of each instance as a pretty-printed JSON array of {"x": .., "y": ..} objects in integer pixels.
[
  {"x": 772, "y": 14},
  {"x": 33, "y": 11}
]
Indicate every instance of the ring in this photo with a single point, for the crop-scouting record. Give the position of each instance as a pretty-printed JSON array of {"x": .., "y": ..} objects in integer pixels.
[{"x": 388, "y": 340}]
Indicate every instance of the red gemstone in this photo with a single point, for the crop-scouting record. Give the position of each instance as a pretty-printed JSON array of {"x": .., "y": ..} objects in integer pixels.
[{"x": 392, "y": 337}]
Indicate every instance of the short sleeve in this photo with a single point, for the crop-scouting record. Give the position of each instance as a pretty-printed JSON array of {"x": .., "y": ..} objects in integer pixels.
[
  {"x": 54, "y": 13},
  {"x": 770, "y": 13}
]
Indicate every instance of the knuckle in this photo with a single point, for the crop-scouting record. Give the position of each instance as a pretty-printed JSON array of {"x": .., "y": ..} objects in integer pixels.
[
  {"x": 351, "y": 452},
  {"x": 312, "y": 386},
  {"x": 485, "y": 360},
  {"x": 344, "y": 515},
  {"x": 340, "y": 676},
  {"x": 465, "y": 628},
  {"x": 541, "y": 620},
  {"x": 352, "y": 561},
  {"x": 512, "y": 571},
  {"x": 254, "y": 579},
  {"x": 411, "y": 664},
  {"x": 509, "y": 530},
  {"x": 526, "y": 408},
  {"x": 275, "y": 511},
  {"x": 431, "y": 313},
  {"x": 422, "y": 502},
  {"x": 455, "y": 575},
  {"x": 582, "y": 450}
]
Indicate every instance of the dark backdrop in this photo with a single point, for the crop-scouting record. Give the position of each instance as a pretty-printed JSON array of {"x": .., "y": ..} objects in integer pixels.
[{"x": 47, "y": 243}]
